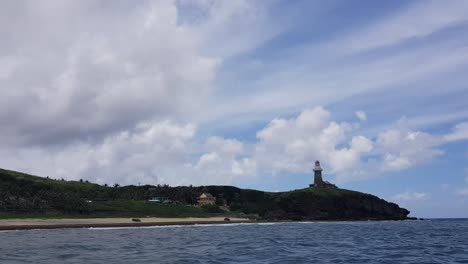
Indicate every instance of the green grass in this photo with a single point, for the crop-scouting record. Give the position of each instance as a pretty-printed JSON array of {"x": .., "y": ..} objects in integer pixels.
[
  {"x": 122, "y": 208},
  {"x": 7, "y": 216},
  {"x": 146, "y": 208},
  {"x": 53, "y": 183}
]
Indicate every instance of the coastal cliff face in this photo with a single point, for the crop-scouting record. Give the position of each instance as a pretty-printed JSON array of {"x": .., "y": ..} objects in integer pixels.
[
  {"x": 333, "y": 204},
  {"x": 311, "y": 204},
  {"x": 26, "y": 194}
]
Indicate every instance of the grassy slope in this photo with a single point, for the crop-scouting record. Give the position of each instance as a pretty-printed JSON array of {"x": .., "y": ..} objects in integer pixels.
[
  {"x": 119, "y": 209},
  {"x": 109, "y": 208},
  {"x": 51, "y": 183},
  {"x": 142, "y": 208}
]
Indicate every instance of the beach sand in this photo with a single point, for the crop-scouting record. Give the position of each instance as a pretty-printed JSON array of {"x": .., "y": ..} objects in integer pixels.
[{"x": 24, "y": 224}]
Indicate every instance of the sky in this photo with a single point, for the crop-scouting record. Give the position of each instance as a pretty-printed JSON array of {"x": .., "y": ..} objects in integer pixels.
[{"x": 243, "y": 93}]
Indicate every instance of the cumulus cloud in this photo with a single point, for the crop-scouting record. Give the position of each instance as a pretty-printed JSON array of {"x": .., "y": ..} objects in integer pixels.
[
  {"x": 361, "y": 115},
  {"x": 169, "y": 152},
  {"x": 403, "y": 148},
  {"x": 292, "y": 145},
  {"x": 224, "y": 161},
  {"x": 410, "y": 196},
  {"x": 152, "y": 153},
  {"x": 72, "y": 71},
  {"x": 89, "y": 74}
]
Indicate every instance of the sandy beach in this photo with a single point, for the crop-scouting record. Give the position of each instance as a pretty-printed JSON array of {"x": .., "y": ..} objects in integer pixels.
[{"x": 24, "y": 224}]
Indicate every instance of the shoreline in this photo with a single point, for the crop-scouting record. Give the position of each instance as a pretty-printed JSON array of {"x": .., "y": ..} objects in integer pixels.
[
  {"x": 29, "y": 224},
  {"x": 66, "y": 223}
]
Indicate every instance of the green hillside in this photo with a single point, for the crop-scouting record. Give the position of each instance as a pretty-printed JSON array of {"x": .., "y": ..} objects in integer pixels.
[{"x": 23, "y": 195}]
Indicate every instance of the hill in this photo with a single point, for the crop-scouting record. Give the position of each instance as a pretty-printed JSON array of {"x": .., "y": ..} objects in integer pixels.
[{"x": 27, "y": 195}]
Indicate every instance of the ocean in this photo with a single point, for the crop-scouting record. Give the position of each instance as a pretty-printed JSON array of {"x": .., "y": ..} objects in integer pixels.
[{"x": 428, "y": 241}]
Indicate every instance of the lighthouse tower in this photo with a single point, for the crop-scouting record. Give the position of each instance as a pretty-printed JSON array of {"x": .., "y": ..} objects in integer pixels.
[{"x": 318, "y": 181}]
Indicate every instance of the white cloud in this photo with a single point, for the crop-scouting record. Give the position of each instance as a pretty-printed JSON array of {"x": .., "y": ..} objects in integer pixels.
[
  {"x": 410, "y": 196},
  {"x": 292, "y": 145},
  {"x": 99, "y": 68},
  {"x": 91, "y": 73},
  {"x": 225, "y": 146},
  {"x": 432, "y": 119},
  {"x": 361, "y": 115},
  {"x": 460, "y": 132},
  {"x": 418, "y": 20},
  {"x": 403, "y": 148},
  {"x": 168, "y": 152},
  {"x": 152, "y": 153},
  {"x": 240, "y": 25},
  {"x": 224, "y": 161}
]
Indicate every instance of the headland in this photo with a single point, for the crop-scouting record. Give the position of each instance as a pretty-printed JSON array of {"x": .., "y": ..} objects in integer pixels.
[{"x": 84, "y": 204}]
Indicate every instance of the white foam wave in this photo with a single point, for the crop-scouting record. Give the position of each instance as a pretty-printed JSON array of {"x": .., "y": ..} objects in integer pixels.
[{"x": 178, "y": 226}]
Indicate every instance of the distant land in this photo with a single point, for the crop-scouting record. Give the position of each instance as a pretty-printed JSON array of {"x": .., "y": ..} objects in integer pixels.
[{"x": 28, "y": 196}]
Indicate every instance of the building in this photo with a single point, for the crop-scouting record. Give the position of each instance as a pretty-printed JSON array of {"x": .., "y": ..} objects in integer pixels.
[
  {"x": 206, "y": 199},
  {"x": 318, "y": 180},
  {"x": 158, "y": 199}
]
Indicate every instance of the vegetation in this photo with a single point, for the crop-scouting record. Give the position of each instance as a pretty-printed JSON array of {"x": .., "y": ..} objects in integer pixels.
[{"x": 27, "y": 195}]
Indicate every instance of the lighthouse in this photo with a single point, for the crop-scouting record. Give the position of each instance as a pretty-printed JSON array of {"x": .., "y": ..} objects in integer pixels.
[{"x": 318, "y": 181}]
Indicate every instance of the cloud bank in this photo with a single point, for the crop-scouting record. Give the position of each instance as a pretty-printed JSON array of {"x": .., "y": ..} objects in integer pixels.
[{"x": 171, "y": 153}]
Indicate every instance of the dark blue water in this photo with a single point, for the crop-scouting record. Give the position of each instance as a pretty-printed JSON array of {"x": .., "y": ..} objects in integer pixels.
[{"x": 430, "y": 241}]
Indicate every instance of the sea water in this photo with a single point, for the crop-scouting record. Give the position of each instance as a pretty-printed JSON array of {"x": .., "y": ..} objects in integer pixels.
[{"x": 428, "y": 241}]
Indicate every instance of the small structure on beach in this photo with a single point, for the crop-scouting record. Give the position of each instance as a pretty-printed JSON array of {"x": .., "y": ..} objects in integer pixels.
[
  {"x": 206, "y": 199},
  {"x": 158, "y": 199},
  {"x": 318, "y": 180}
]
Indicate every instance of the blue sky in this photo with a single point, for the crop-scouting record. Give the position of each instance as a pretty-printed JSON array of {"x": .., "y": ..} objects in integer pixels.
[{"x": 246, "y": 93}]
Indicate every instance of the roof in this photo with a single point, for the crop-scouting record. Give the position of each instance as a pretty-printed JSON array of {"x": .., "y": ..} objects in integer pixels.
[{"x": 206, "y": 195}]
